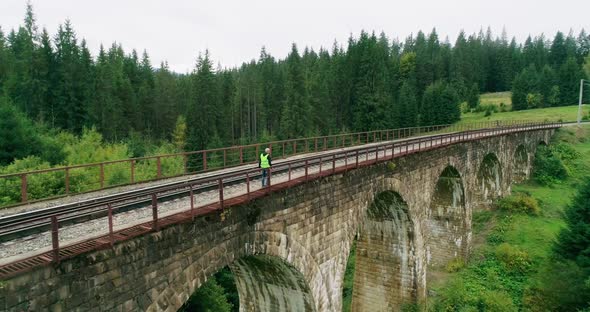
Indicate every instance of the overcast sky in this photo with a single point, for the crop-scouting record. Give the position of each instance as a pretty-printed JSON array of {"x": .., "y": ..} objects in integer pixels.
[{"x": 234, "y": 31}]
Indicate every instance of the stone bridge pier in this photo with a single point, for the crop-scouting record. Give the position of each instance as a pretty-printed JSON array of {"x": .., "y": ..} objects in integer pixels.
[{"x": 288, "y": 250}]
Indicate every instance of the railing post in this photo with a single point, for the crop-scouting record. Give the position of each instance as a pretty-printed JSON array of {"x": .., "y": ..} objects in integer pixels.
[
  {"x": 55, "y": 238},
  {"x": 283, "y": 150},
  {"x": 185, "y": 163},
  {"x": 132, "y": 178},
  {"x": 220, "y": 181},
  {"x": 111, "y": 236},
  {"x": 159, "y": 164},
  {"x": 224, "y": 157},
  {"x": 315, "y": 144},
  {"x": 345, "y": 161},
  {"x": 191, "y": 194},
  {"x": 204, "y": 160},
  {"x": 155, "y": 226},
  {"x": 248, "y": 186},
  {"x": 23, "y": 187},
  {"x": 67, "y": 180},
  {"x": 320, "y": 165},
  {"x": 294, "y": 147},
  {"x": 101, "y": 175},
  {"x": 357, "y": 159},
  {"x": 306, "y": 167},
  {"x": 325, "y": 143},
  {"x": 333, "y": 163},
  {"x": 289, "y": 173}
]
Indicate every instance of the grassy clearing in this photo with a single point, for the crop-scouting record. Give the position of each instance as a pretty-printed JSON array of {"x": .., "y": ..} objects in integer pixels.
[
  {"x": 512, "y": 249},
  {"x": 565, "y": 113},
  {"x": 496, "y": 98}
]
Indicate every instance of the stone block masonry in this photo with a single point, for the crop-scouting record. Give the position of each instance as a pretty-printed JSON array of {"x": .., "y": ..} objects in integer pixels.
[{"x": 289, "y": 250}]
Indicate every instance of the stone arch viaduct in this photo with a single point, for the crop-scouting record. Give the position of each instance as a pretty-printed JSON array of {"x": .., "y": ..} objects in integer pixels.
[{"x": 288, "y": 250}]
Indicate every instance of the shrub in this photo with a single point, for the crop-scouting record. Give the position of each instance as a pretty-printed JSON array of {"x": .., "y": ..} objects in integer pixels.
[
  {"x": 497, "y": 301},
  {"x": 486, "y": 107},
  {"x": 534, "y": 100},
  {"x": 503, "y": 107},
  {"x": 38, "y": 185},
  {"x": 455, "y": 265},
  {"x": 513, "y": 258},
  {"x": 548, "y": 167},
  {"x": 519, "y": 203},
  {"x": 566, "y": 152}
]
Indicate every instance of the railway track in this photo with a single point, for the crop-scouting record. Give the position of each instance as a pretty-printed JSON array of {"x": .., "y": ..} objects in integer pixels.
[
  {"x": 32, "y": 222},
  {"x": 36, "y": 221}
]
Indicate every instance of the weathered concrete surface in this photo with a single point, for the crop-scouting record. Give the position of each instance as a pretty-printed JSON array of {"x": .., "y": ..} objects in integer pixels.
[{"x": 306, "y": 231}]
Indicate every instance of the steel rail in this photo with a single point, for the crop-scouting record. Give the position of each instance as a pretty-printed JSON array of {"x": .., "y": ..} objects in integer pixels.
[
  {"x": 238, "y": 176},
  {"x": 245, "y": 153},
  {"x": 65, "y": 209}
]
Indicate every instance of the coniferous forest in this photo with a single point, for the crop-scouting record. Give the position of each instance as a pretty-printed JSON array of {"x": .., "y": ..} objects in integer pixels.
[{"x": 370, "y": 82}]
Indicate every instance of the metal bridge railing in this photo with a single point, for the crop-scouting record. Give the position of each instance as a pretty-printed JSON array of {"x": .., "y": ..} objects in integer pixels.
[
  {"x": 216, "y": 193},
  {"x": 26, "y": 187}
]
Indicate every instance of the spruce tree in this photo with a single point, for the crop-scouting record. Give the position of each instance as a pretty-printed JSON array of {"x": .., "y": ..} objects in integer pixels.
[
  {"x": 573, "y": 242},
  {"x": 201, "y": 112},
  {"x": 570, "y": 74},
  {"x": 408, "y": 106},
  {"x": 473, "y": 97},
  {"x": 295, "y": 115}
]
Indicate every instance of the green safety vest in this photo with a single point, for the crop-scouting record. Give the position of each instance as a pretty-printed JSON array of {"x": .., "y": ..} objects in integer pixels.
[{"x": 264, "y": 161}]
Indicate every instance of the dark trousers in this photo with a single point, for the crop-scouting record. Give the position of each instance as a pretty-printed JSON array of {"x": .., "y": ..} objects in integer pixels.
[{"x": 264, "y": 177}]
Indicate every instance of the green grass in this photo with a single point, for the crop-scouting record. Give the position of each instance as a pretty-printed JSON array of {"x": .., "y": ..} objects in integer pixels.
[
  {"x": 349, "y": 279},
  {"x": 565, "y": 113},
  {"x": 496, "y": 98},
  {"x": 486, "y": 278}
]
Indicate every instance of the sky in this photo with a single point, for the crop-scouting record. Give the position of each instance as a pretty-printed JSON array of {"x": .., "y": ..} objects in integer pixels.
[{"x": 176, "y": 31}]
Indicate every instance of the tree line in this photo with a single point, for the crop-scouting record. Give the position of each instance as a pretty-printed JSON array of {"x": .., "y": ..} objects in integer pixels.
[{"x": 371, "y": 82}]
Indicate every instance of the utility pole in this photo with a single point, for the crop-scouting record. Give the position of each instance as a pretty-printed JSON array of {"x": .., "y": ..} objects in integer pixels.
[{"x": 580, "y": 103}]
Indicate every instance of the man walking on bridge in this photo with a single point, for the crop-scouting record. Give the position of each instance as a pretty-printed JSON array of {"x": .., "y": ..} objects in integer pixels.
[{"x": 264, "y": 162}]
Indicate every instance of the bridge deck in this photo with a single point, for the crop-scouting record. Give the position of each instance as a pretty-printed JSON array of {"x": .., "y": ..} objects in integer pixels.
[{"x": 94, "y": 233}]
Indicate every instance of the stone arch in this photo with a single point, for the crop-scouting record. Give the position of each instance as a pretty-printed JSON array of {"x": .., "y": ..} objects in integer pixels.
[
  {"x": 304, "y": 281},
  {"x": 386, "y": 263},
  {"x": 521, "y": 166},
  {"x": 447, "y": 219},
  {"x": 268, "y": 283},
  {"x": 489, "y": 180}
]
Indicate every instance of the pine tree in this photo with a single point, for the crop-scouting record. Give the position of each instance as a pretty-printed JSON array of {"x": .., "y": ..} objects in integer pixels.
[
  {"x": 473, "y": 96},
  {"x": 558, "y": 52},
  {"x": 70, "y": 110},
  {"x": 525, "y": 83},
  {"x": 18, "y": 138},
  {"x": 570, "y": 74},
  {"x": 296, "y": 113},
  {"x": 573, "y": 242},
  {"x": 547, "y": 87},
  {"x": 408, "y": 104},
  {"x": 165, "y": 105},
  {"x": 202, "y": 111}
]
